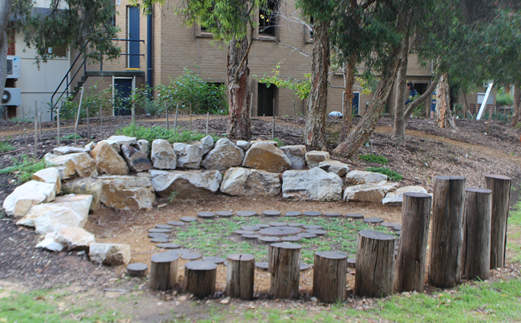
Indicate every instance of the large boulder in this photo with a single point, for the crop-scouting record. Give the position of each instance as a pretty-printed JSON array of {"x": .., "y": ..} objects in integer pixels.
[
  {"x": 357, "y": 177},
  {"x": 64, "y": 164},
  {"x": 69, "y": 164},
  {"x": 248, "y": 182},
  {"x": 87, "y": 186},
  {"x": 314, "y": 184},
  {"x": 186, "y": 184},
  {"x": 25, "y": 196},
  {"x": 296, "y": 155},
  {"x": 372, "y": 192},
  {"x": 111, "y": 254},
  {"x": 225, "y": 154},
  {"x": 396, "y": 198},
  {"x": 127, "y": 192},
  {"x": 334, "y": 166},
  {"x": 65, "y": 150},
  {"x": 108, "y": 160},
  {"x": 313, "y": 158},
  {"x": 188, "y": 156},
  {"x": 49, "y": 175},
  {"x": 163, "y": 155},
  {"x": 136, "y": 159},
  {"x": 266, "y": 156},
  {"x": 74, "y": 238},
  {"x": 117, "y": 141}
]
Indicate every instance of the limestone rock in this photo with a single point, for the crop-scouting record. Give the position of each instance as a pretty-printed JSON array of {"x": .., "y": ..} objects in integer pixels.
[
  {"x": 357, "y": 177},
  {"x": 87, "y": 186},
  {"x": 225, "y": 154},
  {"x": 334, "y": 166},
  {"x": 127, "y": 192},
  {"x": 266, "y": 156},
  {"x": 64, "y": 164},
  {"x": 117, "y": 141},
  {"x": 248, "y": 182},
  {"x": 188, "y": 156},
  {"x": 137, "y": 160},
  {"x": 49, "y": 175},
  {"x": 143, "y": 146},
  {"x": 396, "y": 198},
  {"x": 90, "y": 146},
  {"x": 50, "y": 244},
  {"x": 186, "y": 184},
  {"x": 206, "y": 144},
  {"x": 65, "y": 150},
  {"x": 79, "y": 203},
  {"x": 297, "y": 155},
  {"x": 313, "y": 158},
  {"x": 84, "y": 165},
  {"x": 111, "y": 254},
  {"x": 163, "y": 155},
  {"x": 74, "y": 238},
  {"x": 244, "y": 145},
  {"x": 108, "y": 161},
  {"x": 27, "y": 195},
  {"x": 372, "y": 192},
  {"x": 314, "y": 184}
]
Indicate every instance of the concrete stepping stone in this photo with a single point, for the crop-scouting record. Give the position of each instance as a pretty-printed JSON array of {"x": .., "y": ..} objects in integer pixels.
[
  {"x": 214, "y": 259},
  {"x": 206, "y": 215},
  {"x": 317, "y": 232},
  {"x": 263, "y": 265},
  {"x": 295, "y": 224},
  {"x": 304, "y": 267},
  {"x": 354, "y": 216},
  {"x": 263, "y": 225},
  {"x": 154, "y": 235},
  {"x": 291, "y": 238},
  {"x": 224, "y": 214},
  {"x": 373, "y": 220},
  {"x": 191, "y": 256},
  {"x": 292, "y": 213},
  {"x": 388, "y": 225},
  {"x": 159, "y": 231},
  {"x": 313, "y": 226},
  {"x": 168, "y": 246},
  {"x": 271, "y": 213},
  {"x": 164, "y": 226},
  {"x": 351, "y": 262},
  {"x": 312, "y": 213},
  {"x": 137, "y": 269},
  {"x": 278, "y": 224},
  {"x": 269, "y": 239},
  {"x": 246, "y": 214},
  {"x": 159, "y": 240},
  {"x": 280, "y": 231},
  {"x": 399, "y": 232},
  {"x": 179, "y": 251},
  {"x": 306, "y": 235},
  {"x": 250, "y": 228},
  {"x": 333, "y": 215},
  {"x": 188, "y": 219},
  {"x": 251, "y": 236},
  {"x": 241, "y": 232},
  {"x": 176, "y": 223},
  {"x": 397, "y": 227}
]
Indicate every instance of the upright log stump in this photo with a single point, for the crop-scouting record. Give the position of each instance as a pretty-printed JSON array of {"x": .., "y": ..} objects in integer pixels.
[
  {"x": 374, "y": 264},
  {"x": 200, "y": 278},
  {"x": 476, "y": 234},
  {"x": 163, "y": 271},
  {"x": 447, "y": 231},
  {"x": 284, "y": 266},
  {"x": 412, "y": 253},
  {"x": 500, "y": 187},
  {"x": 329, "y": 276},
  {"x": 240, "y": 272}
]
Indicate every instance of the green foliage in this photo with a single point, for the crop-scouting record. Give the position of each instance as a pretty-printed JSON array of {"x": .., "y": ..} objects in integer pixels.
[
  {"x": 300, "y": 88},
  {"x": 504, "y": 99},
  {"x": 279, "y": 142},
  {"x": 5, "y": 146},
  {"x": 142, "y": 97},
  {"x": 172, "y": 197},
  {"x": 21, "y": 120},
  {"x": 71, "y": 137},
  {"x": 24, "y": 168},
  {"x": 391, "y": 174},
  {"x": 158, "y": 132},
  {"x": 374, "y": 159},
  {"x": 93, "y": 99}
]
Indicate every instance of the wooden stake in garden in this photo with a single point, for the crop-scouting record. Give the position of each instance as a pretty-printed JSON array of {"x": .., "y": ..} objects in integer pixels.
[
  {"x": 240, "y": 272},
  {"x": 447, "y": 231},
  {"x": 284, "y": 266},
  {"x": 26, "y": 146},
  {"x": 207, "y": 121},
  {"x": 175, "y": 119},
  {"x": 35, "y": 137},
  {"x": 500, "y": 187},
  {"x": 78, "y": 118},
  {"x": 475, "y": 263},
  {"x": 101, "y": 120},
  {"x": 329, "y": 276},
  {"x": 88, "y": 122},
  {"x": 40, "y": 125},
  {"x": 58, "y": 125},
  {"x": 190, "y": 117},
  {"x": 166, "y": 113},
  {"x": 412, "y": 253},
  {"x": 273, "y": 128}
]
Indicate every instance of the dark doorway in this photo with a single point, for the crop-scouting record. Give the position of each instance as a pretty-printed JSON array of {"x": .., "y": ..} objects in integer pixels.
[
  {"x": 122, "y": 92},
  {"x": 133, "y": 36},
  {"x": 265, "y": 101},
  {"x": 421, "y": 87},
  {"x": 356, "y": 104}
]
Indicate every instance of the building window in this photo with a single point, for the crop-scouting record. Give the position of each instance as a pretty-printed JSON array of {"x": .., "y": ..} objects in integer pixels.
[
  {"x": 308, "y": 33},
  {"x": 58, "y": 51},
  {"x": 267, "y": 18}
]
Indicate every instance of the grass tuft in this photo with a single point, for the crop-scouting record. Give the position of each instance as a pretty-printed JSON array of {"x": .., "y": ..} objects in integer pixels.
[
  {"x": 5, "y": 147},
  {"x": 158, "y": 132},
  {"x": 24, "y": 168},
  {"x": 391, "y": 174},
  {"x": 374, "y": 159}
]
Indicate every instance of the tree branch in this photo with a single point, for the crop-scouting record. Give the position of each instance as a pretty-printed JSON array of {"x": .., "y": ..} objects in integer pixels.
[
  {"x": 414, "y": 104},
  {"x": 294, "y": 48}
]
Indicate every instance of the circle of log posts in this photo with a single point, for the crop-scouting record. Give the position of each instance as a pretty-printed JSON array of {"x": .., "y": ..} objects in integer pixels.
[
  {"x": 374, "y": 275},
  {"x": 329, "y": 276},
  {"x": 200, "y": 277},
  {"x": 475, "y": 253},
  {"x": 500, "y": 187},
  {"x": 240, "y": 272},
  {"x": 447, "y": 231},
  {"x": 412, "y": 253},
  {"x": 284, "y": 266},
  {"x": 163, "y": 271}
]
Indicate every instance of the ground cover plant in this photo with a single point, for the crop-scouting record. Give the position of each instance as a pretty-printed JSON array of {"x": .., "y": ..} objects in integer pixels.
[
  {"x": 5, "y": 146},
  {"x": 24, "y": 168},
  {"x": 391, "y": 174},
  {"x": 374, "y": 159},
  {"x": 157, "y": 132}
]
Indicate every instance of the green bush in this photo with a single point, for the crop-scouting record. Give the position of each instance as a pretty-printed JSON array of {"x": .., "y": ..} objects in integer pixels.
[
  {"x": 70, "y": 137},
  {"x": 279, "y": 142},
  {"x": 504, "y": 99},
  {"x": 374, "y": 159},
  {"x": 5, "y": 146},
  {"x": 158, "y": 132},
  {"x": 93, "y": 98},
  {"x": 391, "y": 174},
  {"x": 25, "y": 168}
]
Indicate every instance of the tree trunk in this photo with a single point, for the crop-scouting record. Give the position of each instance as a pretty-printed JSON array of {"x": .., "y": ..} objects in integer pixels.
[
  {"x": 5, "y": 14},
  {"x": 516, "y": 113},
  {"x": 284, "y": 266},
  {"x": 317, "y": 103},
  {"x": 200, "y": 277},
  {"x": 348, "y": 98},
  {"x": 500, "y": 186},
  {"x": 399, "y": 107},
  {"x": 238, "y": 90},
  {"x": 445, "y": 118},
  {"x": 329, "y": 276},
  {"x": 414, "y": 104},
  {"x": 240, "y": 273},
  {"x": 163, "y": 271}
]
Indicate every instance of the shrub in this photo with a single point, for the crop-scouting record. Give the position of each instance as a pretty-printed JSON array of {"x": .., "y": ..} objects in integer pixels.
[
  {"x": 24, "y": 168},
  {"x": 5, "y": 146},
  {"x": 391, "y": 174},
  {"x": 279, "y": 142},
  {"x": 374, "y": 159},
  {"x": 158, "y": 132},
  {"x": 71, "y": 137}
]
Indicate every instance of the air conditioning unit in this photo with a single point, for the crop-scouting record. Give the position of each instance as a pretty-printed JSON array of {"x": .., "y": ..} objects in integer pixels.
[
  {"x": 14, "y": 68},
  {"x": 12, "y": 96}
]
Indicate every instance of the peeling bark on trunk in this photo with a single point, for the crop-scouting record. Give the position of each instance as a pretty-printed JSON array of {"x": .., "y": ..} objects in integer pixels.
[
  {"x": 445, "y": 118},
  {"x": 516, "y": 116},
  {"x": 5, "y": 13},
  {"x": 317, "y": 103},
  {"x": 399, "y": 107},
  {"x": 238, "y": 90},
  {"x": 348, "y": 97}
]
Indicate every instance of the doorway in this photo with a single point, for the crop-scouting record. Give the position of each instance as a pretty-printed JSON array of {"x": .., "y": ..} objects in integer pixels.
[
  {"x": 122, "y": 92},
  {"x": 133, "y": 37},
  {"x": 265, "y": 100}
]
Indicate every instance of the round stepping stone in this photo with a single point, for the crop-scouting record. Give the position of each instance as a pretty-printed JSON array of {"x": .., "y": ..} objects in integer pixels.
[
  {"x": 263, "y": 265},
  {"x": 306, "y": 235},
  {"x": 317, "y": 232},
  {"x": 176, "y": 223},
  {"x": 215, "y": 260},
  {"x": 164, "y": 226},
  {"x": 397, "y": 227},
  {"x": 354, "y": 216},
  {"x": 333, "y": 215},
  {"x": 159, "y": 240},
  {"x": 262, "y": 226},
  {"x": 388, "y": 225},
  {"x": 251, "y": 236},
  {"x": 250, "y": 228},
  {"x": 312, "y": 213},
  {"x": 188, "y": 219},
  {"x": 190, "y": 256},
  {"x": 373, "y": 220},
  {"x": 159, "y": 230},
  {"x": 351, "y": 262},
  {"x": 280, "y": 231},
  {"x": 291, "y": 238},
  {"x": 271, "y": 213},
  {"x": 399, "y": 232},
  {"x": 168, "y": 246},
  {"x": 269, "y": 239},
  {"x": 241, "y": 232},
  {"x": 137, "y": 269},
  {"x": 224, "y": 214},
  {"x": 292, "y": 213},
  {"x": 246, "y": 213},
  {"x": 179, "y": 251},
  {"x": 312, "y": 226},
  {"x": 304, "y": 267},
  {"x": 278, "y": 224},
  {"x": 155, "y": 235},
  {"x": 295, "y": 224},
  {"x": 206, "y": 215}
]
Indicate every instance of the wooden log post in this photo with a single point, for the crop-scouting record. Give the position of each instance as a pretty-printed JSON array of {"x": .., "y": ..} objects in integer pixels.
[
  {"x": 412, "y": 253},
  {"x": 475, "y": 255},
  {"x": 240, "y": 272},
  {"x": 200, "y": 277},
  {"x": 58, "y": 125},
  {"x": 447, "y": 231},
  {"x": 284, "y": 266},
  {"x": 500, "y": 187},
  {"x": 137, "y": 270},
  {"x": 163, "y": 271},
  {"x": 26, "y": 145},
  {"x": 35, "y": 153},
  {"x": 329, "y": 276},
  {"x": 374, "y": 275}
]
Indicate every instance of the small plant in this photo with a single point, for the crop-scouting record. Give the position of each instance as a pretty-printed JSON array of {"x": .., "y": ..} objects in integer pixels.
[
  {"x": 374, "y": 159},
  {"x": 5, "y": 146},
  {"x": 71, "y": 137},
  {"x": 158, "y": 132},
  {"x": 172, "y": 197},
  {"x": 279, "y": 142},
  {"x": 21, "y": 120},
  {"x": 391, "y": 174},
  {"x": 24, "y": 168}
]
